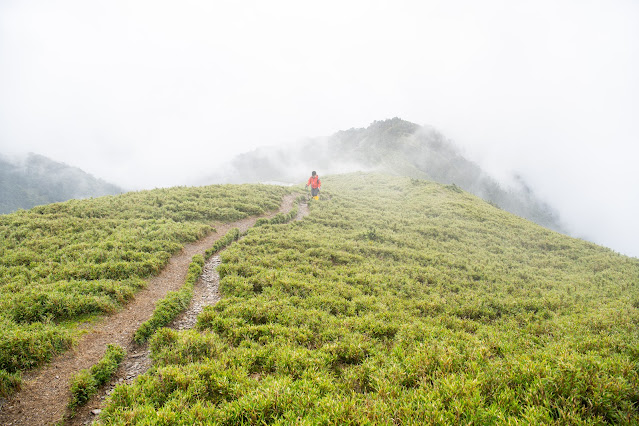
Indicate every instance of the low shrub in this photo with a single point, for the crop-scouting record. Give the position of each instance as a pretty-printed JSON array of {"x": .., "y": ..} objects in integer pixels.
[
  {"x": 278, "y": 218},
  {"x": 9, "y": 383},
  {"x": 225, "y": 241},
  {"x": 23, "y": 347}
]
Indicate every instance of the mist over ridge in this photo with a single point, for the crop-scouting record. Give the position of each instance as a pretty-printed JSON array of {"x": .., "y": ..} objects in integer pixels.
[
  {"x": 35, "y": 180},
  {"x": 392, "y": 146}
]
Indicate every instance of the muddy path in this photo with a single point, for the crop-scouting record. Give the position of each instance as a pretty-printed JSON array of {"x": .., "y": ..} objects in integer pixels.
[{"x": 45, "y": 391}]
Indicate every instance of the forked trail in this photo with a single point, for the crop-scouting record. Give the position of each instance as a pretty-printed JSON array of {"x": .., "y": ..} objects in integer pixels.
[{"x": 45, "y": 391}]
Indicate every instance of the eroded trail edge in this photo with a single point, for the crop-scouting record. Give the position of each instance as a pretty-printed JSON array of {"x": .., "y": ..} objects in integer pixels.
[{"x": 45, "y": 391}]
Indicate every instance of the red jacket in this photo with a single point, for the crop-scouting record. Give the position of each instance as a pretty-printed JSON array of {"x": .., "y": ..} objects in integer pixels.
[{"x": 314, "y": 181}]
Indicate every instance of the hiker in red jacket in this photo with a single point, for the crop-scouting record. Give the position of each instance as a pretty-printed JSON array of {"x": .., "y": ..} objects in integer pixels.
[{"x": 315, "y": 183}]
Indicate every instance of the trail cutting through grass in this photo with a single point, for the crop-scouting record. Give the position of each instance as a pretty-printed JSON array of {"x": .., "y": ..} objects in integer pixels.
[
  {"x": 45, "y": 392},
  {"x": 205, "y": 293},
  {"x": 400, "y": 301}
]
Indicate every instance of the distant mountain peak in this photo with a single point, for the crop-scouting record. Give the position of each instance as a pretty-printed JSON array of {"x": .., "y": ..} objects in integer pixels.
[
  {"x": 394, "y": 146},
  {"x": 36, "y": 179}
]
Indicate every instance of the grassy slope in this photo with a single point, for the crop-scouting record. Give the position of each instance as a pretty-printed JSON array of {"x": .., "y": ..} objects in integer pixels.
[
  {"x": 61, "y": 262},
  {"x": 402, "y": 301}
]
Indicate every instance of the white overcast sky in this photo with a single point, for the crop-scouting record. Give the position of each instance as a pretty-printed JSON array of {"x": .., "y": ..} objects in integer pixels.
[{"x": 152, "y": 93}]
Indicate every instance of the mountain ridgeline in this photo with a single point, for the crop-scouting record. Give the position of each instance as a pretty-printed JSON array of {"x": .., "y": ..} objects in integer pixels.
[
  {"x": 391, "y": 146},
  {"x": 38, "y": 180}
]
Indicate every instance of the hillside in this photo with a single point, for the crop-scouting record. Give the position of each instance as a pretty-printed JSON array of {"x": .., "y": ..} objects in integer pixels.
[
  {"x": 64, "y": 263},
  {"x": 391, "y": 146},
  {"x": 37, "y": 180},
  {"x": 401, "y": 301}
]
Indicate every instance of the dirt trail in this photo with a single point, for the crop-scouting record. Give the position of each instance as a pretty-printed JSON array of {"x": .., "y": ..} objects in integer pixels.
[
  {"x": 205, "y": 293},
  {"x": 45, "y": 391}
]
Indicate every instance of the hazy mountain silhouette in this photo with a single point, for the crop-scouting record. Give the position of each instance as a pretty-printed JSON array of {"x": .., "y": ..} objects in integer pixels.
[
  {"x": 393, "y": 146},
  {"x": 38, "y": 180}
]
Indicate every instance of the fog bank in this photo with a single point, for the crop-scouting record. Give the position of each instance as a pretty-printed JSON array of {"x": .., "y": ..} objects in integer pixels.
[{"x": 146, "y": 94}]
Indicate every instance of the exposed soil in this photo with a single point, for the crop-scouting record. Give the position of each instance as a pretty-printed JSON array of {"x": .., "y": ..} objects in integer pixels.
[
  {"x": 302, "y": 210},
  {"x": 45, "y": 391}
]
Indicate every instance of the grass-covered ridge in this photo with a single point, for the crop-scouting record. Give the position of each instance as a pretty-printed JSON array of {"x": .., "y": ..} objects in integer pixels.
[
  {"x": 402, "y": 302},
  {"x": 61, "y": 262}
]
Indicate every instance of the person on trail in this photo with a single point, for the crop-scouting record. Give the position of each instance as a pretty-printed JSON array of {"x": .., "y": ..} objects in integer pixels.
[{"x": 315, "y": 183}]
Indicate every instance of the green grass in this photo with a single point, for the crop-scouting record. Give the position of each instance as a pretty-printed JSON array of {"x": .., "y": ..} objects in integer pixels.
[
  {"x": 9, "y": 383},
  {"x": 86, "y": 382},
  {"x": 63, "y": 262},
  {"x": 400, "y": 301},
  {"x": 278, "y": 218},
  {"x": 225, "y": 241}
]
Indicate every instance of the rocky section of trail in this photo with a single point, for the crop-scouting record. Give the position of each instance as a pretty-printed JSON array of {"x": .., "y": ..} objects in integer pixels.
[
  {"x": 205, "y": 293},
  {"x": 45, "y": 391}
]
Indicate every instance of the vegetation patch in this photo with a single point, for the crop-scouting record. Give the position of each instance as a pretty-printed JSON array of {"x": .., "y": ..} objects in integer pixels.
[
  {"x": 26, "y": 346},
  {"x": 397, "y": 303},
  {"x": 278, "y": 218},
  {"x": 86, "y": 383},
  {"x": 225, "y": 241},
  {"x": 9, "y": 383}
]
